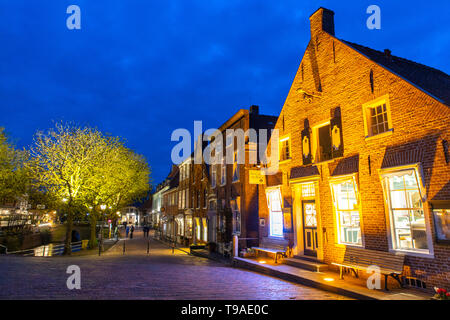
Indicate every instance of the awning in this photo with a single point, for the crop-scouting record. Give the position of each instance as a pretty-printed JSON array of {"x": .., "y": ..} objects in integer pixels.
[
  {"x": 304, "y": 172},
  {"x": 345, "y": 166}
]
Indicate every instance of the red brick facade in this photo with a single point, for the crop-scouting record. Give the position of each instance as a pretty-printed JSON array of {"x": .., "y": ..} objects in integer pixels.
[{"x": 336, "y": 78}]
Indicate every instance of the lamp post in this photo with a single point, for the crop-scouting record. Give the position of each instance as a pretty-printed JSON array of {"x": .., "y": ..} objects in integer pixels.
[{"x": 100, "y": 246}]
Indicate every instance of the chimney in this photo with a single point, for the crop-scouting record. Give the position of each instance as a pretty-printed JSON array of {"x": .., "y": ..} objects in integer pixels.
[
  {"x": 322, "y": 20},
  {"x": 254, "y": 110},
  {"x": 388, "y": 55}
]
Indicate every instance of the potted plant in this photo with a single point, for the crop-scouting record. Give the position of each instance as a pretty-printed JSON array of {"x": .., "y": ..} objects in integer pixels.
[{"x": 441, "y": 294}]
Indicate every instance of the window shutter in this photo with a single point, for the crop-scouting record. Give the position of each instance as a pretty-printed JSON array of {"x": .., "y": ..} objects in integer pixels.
[
  {"x": 337, "y": 142},
  {"x": 306, "y": 144}
]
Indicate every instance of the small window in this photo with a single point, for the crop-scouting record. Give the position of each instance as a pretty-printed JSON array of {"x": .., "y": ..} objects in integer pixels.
[
  {"x": 308, "y": 190},
  {"x": 223, "y": 172},
  {"x": 213, "y": 177},
  {"x": 235, "y": 167},
  {"x": 377, "y": 117},
  {"x": 285, "y": 149},
  {"x": 205, "y": 196}
]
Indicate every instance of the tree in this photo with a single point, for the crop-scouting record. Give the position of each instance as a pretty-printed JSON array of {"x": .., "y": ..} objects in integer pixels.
[
  {"x": 123, "y": 177},
  {"x": 63, "y": 162},
  {"x": 13, "y": 174},
  {"x": 85, "y": 170}
]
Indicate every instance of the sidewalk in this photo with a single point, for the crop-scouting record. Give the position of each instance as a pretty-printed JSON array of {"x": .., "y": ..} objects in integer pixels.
[{"x": 329, "y": 281}]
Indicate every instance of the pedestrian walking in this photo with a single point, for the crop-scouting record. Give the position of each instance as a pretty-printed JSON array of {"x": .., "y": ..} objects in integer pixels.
[
  {"x": 127, "y": 231},
  {"x": 131, "y": 232}
]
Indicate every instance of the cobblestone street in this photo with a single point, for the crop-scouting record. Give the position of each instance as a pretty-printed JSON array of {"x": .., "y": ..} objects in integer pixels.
[{"x": 136, "y": 275}]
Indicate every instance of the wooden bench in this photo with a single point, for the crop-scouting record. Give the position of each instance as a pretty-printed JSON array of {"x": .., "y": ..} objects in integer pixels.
[
  {"x": 278, "y": 247},
  {"x": 390, "y": 264}
]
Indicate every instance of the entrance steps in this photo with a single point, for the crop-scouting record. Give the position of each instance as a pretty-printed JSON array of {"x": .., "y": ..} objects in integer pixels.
[{"x": 307, "y": 263}]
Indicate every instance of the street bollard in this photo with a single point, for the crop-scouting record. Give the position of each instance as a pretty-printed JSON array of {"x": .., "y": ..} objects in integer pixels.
[
  {"x": 100, "y": 247},
  {"x": 123, "y": 246},
  {"x": 148, "y": 246},
  {"x": 173, "y": 247}
]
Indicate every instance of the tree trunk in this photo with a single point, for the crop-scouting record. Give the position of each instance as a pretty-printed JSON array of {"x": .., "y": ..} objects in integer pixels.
[
  {"x": 69, "y": 227},
  {"x": 93, "y": 238}
]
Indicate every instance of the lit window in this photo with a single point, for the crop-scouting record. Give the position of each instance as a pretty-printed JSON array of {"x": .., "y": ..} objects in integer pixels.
[
  {"x": 322, "y": 149},
  {"x": 442, "y": 223},
  {"x": 205, "y": 230},
  {"x": 223, "y": 173},
  {"x": 198, "y": 229},
  {"x": 235, "y": 167},
  {"x": 235, "y": 205},
  {"x": 406, "y": 211},
  {"x": 285, "y": 149},
  {"x": 275, "y": 213},
  {"x": 347, "y": 212},
  {"x": 377, "y": 117},
  {"x": 213, "y": 177},
  {"x": 308, "y": 190}
]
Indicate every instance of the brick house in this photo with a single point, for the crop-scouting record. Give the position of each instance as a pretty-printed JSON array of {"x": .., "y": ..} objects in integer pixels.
[
  {"x": 201, "y": 195},
  {"x": 364, "y": 157},
  {"x": 233, "y": 202},
  {"x": 169, "y": 208}
]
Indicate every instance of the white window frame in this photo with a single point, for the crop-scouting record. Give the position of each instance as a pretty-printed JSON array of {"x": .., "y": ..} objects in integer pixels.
[
  {"x": 367, "y": 116},
  {"x": 272, "y": 213},
  {"x": 339, "y": 180},
  {"x": 417, "y": 168}
]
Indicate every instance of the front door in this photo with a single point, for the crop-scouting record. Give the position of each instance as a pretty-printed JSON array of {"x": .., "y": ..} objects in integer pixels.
[{"x": 310, "y": 227}]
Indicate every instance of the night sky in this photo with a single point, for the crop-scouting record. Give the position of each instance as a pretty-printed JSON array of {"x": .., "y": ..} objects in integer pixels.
[{"x": 140, "y": 69}]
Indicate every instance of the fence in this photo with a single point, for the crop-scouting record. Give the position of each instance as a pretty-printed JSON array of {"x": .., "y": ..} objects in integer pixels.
[{"x": 48, "y": 250}]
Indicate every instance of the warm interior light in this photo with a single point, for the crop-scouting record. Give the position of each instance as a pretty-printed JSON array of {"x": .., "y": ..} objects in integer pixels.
[
  {"x": 328, "y": 279},
  {"x": 262, "y": 262}
]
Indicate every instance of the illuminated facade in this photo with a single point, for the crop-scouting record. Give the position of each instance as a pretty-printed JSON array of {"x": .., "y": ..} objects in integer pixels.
[{"x": 364, "y": 158}]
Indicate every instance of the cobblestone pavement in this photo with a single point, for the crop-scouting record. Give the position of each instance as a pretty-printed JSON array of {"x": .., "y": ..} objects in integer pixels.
[{"x": 136, "y": 275}]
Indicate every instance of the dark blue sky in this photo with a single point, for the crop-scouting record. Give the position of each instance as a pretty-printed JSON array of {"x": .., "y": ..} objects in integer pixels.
[{"x": 140, "y": 69}]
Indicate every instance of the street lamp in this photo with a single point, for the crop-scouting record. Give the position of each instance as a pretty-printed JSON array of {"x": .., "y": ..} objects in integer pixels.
[{"x": 102, "y": 207}]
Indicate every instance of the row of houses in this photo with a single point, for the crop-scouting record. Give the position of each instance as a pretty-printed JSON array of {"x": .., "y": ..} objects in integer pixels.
[{"x": 363, "y": 161}]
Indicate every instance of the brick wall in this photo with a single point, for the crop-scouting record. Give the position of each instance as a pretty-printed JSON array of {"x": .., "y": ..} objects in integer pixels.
[{"x": 341, "y": 77}]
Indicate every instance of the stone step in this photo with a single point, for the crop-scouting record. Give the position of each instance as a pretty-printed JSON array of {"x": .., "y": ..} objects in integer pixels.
[
  {"x": 307, "y": 258},
  {"x": 305, "y": 264}
]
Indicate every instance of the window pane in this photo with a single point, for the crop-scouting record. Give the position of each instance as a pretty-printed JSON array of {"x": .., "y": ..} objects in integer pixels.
[
  {"x": 276, "y": 224},
  {"x": 398, "y": 199},
  {"x": 408, "y": 224},
  {"x": 348, "y": 213}
]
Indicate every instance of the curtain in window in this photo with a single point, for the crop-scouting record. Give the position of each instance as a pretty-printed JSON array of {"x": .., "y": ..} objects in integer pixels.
[
  {"x": 347, "y": 210},
  {"x": 406, "y": 211},
  {"x": 276, "y": 213}
]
